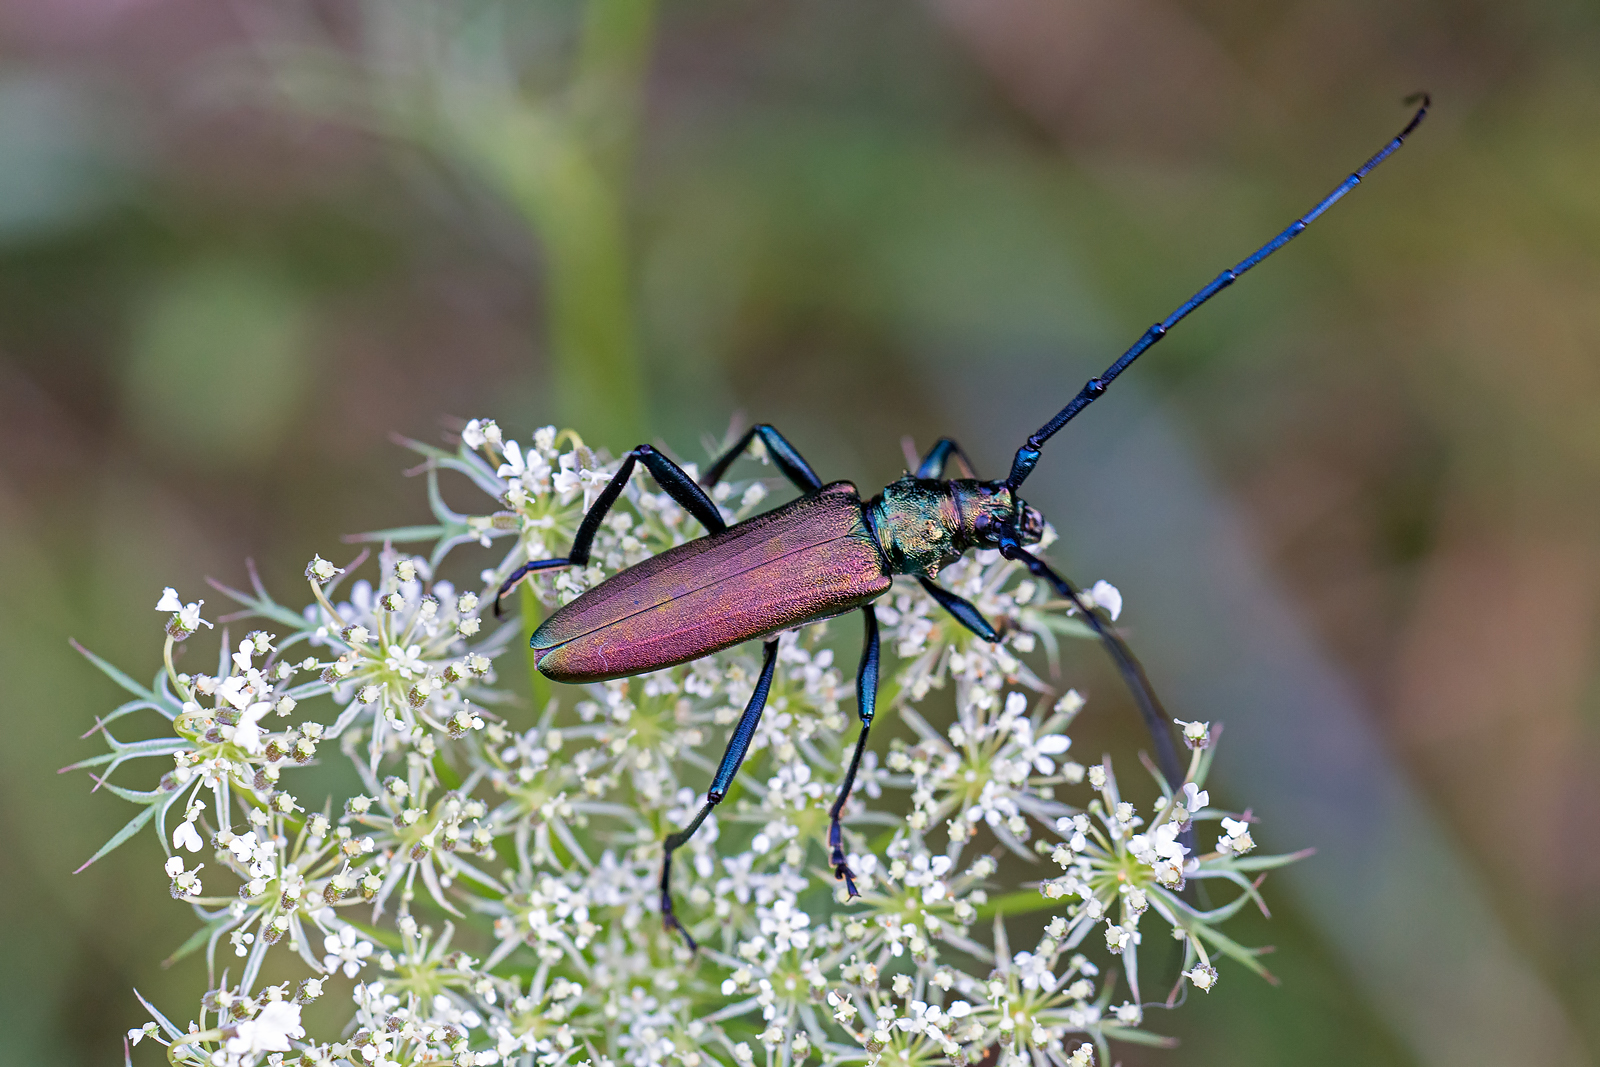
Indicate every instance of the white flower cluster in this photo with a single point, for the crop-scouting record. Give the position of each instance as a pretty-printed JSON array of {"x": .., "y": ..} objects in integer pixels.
[{"x": 534, "y": 840}]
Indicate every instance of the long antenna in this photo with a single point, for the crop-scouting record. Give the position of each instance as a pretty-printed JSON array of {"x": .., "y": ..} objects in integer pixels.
[{"x": 1028, "y": 455}]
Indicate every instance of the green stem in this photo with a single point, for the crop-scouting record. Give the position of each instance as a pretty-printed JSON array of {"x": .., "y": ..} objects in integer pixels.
[{"x": 567, "y": 170}]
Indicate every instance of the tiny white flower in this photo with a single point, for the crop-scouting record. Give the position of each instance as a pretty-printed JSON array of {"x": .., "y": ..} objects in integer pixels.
[
  {"x": 188, "y": 615},
  {"x": 1236, "y": 837},
  {"x": 513, "y": 467},
  {"x": 344, "y": 949},
  {"x": 1203, "y": 977},
  {"x": 186, "y": 837},
  {"x": 1194, "y": 798},
  {"x": 406, "y": 662},
  {"x": 247, "y": 734},
  {"x": 236, "y": 691},
  {"x": 268, "y": 1032},
  {"x": 1195, "y": 734},
  {"x": 320, "y": 570},
  {"x": 476, "y": 432},
  {"x": 567, "y": 479},
  {"x": 1107, "y": 596}
]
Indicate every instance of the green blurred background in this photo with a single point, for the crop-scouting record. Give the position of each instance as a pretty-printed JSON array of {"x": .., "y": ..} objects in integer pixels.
[{"x": 1352, "y": 503}]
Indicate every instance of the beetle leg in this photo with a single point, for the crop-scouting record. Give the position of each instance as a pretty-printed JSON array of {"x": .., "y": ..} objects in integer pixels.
[
  {"x": 963, "y": 609},
  {"x": 738, "y": 746},
  {"x": 671, "y": 477},
  {"x": 681, "y": 488},
  {"x": 944, "y": 450},
  {"x": 521, "y": 573},
  {"x": 866, "y": 702},
  {"x": 668, "y": 917},
  {"x": 1155, "y": 716},
  {"x": 789, "y": 460},
  {"x": 1144, "y": 694}
]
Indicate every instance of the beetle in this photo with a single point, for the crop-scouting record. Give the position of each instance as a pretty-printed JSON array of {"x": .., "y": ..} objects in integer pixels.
[{"x": 828, "y": 553}]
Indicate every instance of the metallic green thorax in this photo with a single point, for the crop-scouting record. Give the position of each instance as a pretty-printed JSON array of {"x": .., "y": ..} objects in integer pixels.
[{"x": 923, "y": 524}]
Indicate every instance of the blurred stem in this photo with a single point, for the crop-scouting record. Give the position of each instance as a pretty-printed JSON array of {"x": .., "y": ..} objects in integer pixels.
[
  {"x": 567, "y": 171},
  {"x": 608, "y": 91},
  {"x": 564, "y": 160}
]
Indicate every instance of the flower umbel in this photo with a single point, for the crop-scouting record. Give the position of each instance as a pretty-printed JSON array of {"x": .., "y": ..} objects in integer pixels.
[{"x": 540, "y": 831}]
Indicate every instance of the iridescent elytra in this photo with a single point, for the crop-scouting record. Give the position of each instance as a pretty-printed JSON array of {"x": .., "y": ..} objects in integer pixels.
[{"x": 828, "y": 553}]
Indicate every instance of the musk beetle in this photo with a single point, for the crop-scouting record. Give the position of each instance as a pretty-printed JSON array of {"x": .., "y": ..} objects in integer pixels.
[{"x": 827, "y": 553}]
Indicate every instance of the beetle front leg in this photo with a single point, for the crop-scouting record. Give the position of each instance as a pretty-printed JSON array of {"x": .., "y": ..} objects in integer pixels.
[
  {"x": 965, "y": 612},
  {"x": 671, "y": 477},
  {"x": 1155, "y": 716},
  {"x": 732, "y": 757},
  {"x": 866, "y": 703}
]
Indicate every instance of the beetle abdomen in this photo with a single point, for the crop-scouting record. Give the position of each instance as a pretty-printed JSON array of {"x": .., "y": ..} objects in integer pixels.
[{"x": 808, "y": 560}]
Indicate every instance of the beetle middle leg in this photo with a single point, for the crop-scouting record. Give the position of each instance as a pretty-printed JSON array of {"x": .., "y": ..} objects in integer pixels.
[
  {"x": 672, "y": 479},
  {"x": 964, "y": 610},
  {"x": 738, "y": 746},
  {"x": 866, "y": 704},
  {"x": 943, "y": 451}
]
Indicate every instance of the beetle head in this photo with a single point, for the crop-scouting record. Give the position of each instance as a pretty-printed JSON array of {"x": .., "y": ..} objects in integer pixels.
[
  {"x": 986, "y": 508},
  {"x": 1030, "y": 524}
]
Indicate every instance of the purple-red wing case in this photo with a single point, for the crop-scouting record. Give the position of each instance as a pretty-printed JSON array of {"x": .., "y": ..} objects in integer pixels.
[{"x": 808, "y": 560}]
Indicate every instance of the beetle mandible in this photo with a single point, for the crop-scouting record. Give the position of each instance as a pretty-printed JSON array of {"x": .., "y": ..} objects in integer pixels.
[{"x": 827, "y": 553}]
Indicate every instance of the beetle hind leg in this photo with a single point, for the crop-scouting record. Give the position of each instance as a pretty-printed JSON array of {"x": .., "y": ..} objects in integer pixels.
[
  {"x": 866, "y": 703},
  {"x": 673, "y": 842},
  {"x": 732, "y": 757}
]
